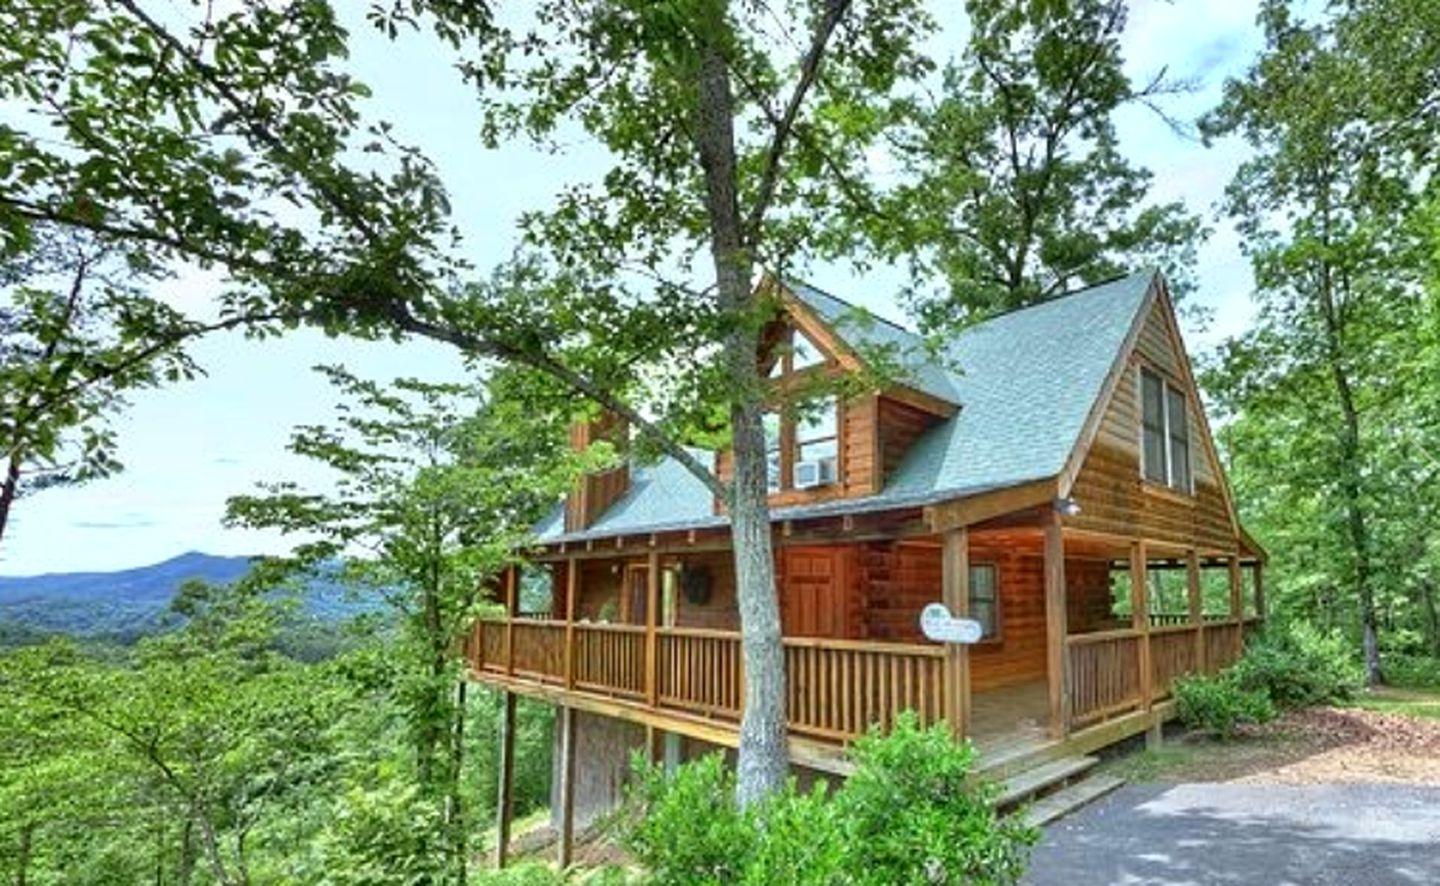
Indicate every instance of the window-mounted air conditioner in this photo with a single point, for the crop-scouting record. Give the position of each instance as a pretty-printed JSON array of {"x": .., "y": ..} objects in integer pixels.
[{"x": 814, "y": 472}]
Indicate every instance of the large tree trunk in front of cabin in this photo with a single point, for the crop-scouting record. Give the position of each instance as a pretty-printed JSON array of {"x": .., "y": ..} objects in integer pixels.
[{"x": 762, "y": 752}]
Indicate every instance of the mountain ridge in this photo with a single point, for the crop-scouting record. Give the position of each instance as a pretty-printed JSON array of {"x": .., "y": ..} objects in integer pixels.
[{"x": 129, "y": 603}]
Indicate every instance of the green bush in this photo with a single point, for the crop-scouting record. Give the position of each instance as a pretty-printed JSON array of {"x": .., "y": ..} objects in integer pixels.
[
  {"x": 686, "y": 828},
  {"x": 1299, "y": 666},
  {"x": 1412, "y": 671},
  {"x": 912, "y": 813},
  {"x": 1219, "y": 704}
]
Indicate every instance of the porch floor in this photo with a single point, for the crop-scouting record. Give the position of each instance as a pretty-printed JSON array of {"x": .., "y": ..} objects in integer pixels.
[{"x": 1009, "y": 716}]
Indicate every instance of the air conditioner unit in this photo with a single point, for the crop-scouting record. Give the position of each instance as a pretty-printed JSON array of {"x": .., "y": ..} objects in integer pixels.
[{"x": 814, "y": 472}]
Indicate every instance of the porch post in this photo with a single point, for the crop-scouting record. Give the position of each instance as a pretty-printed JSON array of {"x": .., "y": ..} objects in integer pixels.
[
  {"x": 1237, "y": 609},
  {"x": 572, "y": 590},
  {"x": 506, "y": 778},
  {"x": 652, "y": 606},
  {"x": 1140, "y": 620},
  {"x": 511, "y": 604},
  {"x": 1055, "y": 623},
  {"x": 567, "y": 785},
  {"x": 955, "y": 593},
  {"x": 1259, "y": 571},
  {"x": 1197, "y": 606}
]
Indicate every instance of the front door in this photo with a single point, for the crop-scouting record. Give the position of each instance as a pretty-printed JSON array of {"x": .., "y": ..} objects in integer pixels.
[{"x": 815, "y": 592}]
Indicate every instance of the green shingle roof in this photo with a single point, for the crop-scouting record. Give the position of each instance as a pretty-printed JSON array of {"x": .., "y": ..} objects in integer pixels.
[{"x": 1024, "y": 382}]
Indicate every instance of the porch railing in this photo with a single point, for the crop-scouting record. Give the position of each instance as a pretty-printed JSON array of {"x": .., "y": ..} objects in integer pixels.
[
  {"x": 836, "y": 689},
  {"x": 1104, "y": 671}
]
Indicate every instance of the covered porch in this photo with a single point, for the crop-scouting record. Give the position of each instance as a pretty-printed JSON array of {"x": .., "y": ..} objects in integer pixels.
[{"x": 1080, "y": 629}]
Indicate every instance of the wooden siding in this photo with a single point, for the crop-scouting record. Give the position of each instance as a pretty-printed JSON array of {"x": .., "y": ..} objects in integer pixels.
[
  {"x": 1112, "y": 496},
  {"x": 901, "y": 424},
  {"x": 899, "y": 579},
  {"x": 594, "y": 493}
]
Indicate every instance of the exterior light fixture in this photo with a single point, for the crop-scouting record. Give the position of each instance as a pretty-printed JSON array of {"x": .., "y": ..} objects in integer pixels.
[{"x": 1067, "y": 506}]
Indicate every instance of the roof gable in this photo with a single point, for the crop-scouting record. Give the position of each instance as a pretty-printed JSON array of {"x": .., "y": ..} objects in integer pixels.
[{"x": 1026, "y": 384}]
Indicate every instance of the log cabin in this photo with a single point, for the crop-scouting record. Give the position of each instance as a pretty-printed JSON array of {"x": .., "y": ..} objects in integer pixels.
[{"x": 1050, "y": 474}]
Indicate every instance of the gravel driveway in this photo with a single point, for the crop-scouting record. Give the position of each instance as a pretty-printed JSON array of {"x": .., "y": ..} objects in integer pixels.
[{"x": 1364, "y": 834}]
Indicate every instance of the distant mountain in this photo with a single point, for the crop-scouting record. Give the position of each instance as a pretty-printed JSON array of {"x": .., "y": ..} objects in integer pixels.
[{"x": 130, "y": 602}]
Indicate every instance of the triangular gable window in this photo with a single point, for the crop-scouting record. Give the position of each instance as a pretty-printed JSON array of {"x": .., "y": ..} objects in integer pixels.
[{"x": 805, "y": 352}]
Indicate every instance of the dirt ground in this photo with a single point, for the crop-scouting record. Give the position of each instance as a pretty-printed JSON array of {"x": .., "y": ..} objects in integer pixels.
[{"x": 1314, "y": 746}]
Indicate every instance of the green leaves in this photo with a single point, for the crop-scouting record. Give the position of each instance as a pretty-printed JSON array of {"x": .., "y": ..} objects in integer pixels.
[
  {"x": 1014, "y": 184},
  {"x": 1330, "y": 413}
]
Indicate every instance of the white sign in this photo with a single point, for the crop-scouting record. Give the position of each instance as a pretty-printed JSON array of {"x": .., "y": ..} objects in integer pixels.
[{"x": 938, "y": 624}]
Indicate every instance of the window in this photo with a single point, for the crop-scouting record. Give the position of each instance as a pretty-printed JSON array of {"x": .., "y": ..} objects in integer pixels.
[
  {"x": 804, "y": 352},
  {"x": 772, "y": 451},
  {"x": 1165, "y": 432},
  {"x": 817, "y": 440},
  {"x": 984, "y": 599},
  {"x": 1175, "y": 416},
  {"x": 802, "y": 447}
]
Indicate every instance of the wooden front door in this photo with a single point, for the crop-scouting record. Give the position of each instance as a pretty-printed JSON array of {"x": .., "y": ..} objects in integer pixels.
[{"x": 815, "y": 592}]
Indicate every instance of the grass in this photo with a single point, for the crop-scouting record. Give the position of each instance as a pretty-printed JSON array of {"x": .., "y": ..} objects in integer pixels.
[{"x": 1409, "y": 702}]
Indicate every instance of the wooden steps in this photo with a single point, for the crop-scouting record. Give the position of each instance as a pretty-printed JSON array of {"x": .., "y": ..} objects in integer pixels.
[
  {"x": 1067, "y": 800},
  {"x": 1050, "y": 787},
  {"x": 1041, "y": 779}
]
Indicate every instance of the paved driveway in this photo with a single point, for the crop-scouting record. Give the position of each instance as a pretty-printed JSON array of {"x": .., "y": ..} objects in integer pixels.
[{"x": 1361, "y": 834}]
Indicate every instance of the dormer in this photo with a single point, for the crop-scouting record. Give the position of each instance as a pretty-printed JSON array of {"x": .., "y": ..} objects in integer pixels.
[{"x": 824, "y": 443}]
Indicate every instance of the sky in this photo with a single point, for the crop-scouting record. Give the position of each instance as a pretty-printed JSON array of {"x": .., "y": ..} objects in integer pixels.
[{"x": 188, "y": 447}]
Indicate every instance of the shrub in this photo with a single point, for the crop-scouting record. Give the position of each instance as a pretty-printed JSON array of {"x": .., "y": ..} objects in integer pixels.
[
  {"x": 686, "y": 828},
  {"x": 911, "y": 813},
  {"x": 1299, "y": 666},
  {"x": 1219, "y": 704},
  {"x": 1412, "y": 671}
]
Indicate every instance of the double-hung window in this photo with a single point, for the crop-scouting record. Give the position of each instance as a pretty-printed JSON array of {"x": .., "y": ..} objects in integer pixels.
[
  {"x": 1165, "y": 433},
  {"x": 984, "y": 599}
]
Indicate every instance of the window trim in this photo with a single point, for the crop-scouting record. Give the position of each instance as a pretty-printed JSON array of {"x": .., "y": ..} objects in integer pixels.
[
  {"x": 998, "y": 635},
  {"x": 1167, "y": 385}
]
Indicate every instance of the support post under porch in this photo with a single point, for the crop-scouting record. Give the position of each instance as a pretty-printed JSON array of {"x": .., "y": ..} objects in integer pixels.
[
  {"x": 1056, "y": 625},
  {"x": 567, "y": 787},
  {"x": 505, "y": 802}
]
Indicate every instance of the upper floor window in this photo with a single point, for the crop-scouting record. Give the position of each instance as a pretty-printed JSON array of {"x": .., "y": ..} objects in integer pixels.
[
  {"x": 817, "y": 446},
  {"x": 1165, "y": 432},
  {"x": 802, "y": 447}
]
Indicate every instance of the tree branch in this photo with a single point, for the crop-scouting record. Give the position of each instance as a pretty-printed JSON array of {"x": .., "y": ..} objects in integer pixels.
[{"x": 835, "y": 10}]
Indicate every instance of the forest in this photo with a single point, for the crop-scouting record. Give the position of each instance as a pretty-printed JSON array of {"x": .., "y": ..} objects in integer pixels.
[{"x": 138, "y": 139}]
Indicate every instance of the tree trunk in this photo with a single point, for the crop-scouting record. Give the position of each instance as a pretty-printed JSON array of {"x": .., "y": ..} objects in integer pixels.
[
  {"x": 762, "y": 751},
  {"x": 1351, "y": 471},
  {"x": 8, "y": 489},
  {"x": 22, "y": 856},
  {"x": 456, "y": 808},
  {"x": 1432, "y": 614}
]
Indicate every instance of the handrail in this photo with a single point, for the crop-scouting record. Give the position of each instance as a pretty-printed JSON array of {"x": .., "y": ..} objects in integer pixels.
[
  {"x": 1101, "y": 636},
  {"x": 609, "y": 627},
  {"x": 841, "y": 644},
  {"x": 1163, "y": 630}
]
